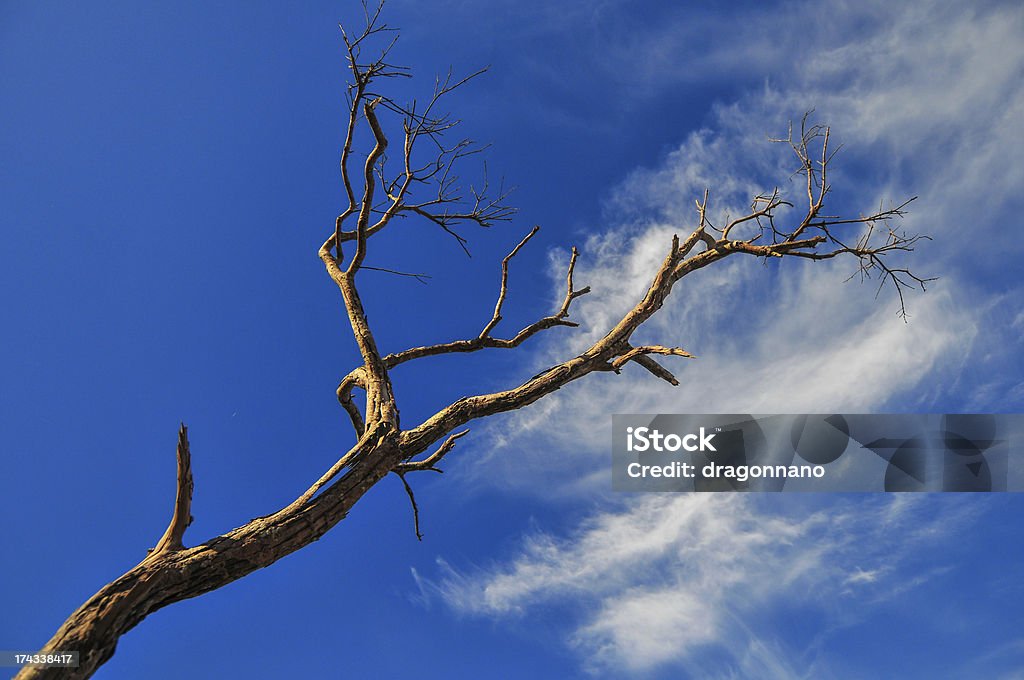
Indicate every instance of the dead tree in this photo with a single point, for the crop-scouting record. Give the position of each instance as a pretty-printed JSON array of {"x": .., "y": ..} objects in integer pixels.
[{"x": 422, "y": 183}]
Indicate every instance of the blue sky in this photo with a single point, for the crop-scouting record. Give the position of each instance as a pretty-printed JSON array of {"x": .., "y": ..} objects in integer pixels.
[{"x": 169, "y": 173}]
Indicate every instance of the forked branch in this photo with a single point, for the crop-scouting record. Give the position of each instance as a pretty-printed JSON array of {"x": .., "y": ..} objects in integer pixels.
[
  {"x": 428, "y": 463},
  {"x": 815, "y": 236}
]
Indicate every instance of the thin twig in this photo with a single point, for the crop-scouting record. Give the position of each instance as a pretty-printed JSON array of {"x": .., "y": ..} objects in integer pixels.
[
  {"x": 496, "y": 317},
  {"x": 418, "y": 277},
  {"x": 415, "y": 508}
]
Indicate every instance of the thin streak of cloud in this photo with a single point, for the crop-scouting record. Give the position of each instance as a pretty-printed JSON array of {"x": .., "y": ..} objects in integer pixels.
[{"x": 666, "y": 577}]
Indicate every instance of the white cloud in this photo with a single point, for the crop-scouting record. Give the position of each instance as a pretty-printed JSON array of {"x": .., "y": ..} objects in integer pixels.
[
  {"x": 666, "y": 577},
  {"x": 861, "y": 576},
  {"x": 928, "y": 97}
]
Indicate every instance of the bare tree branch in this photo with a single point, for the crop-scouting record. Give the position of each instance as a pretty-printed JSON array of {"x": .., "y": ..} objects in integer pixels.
[
  {"x": 171, "y": 572},
  {"x": 351, "y": 381},
  {"x": 656, "y": 369},
  {"x": 504, "y": 285},
  {"x": 431, "y": 461},
  {"x": 814, "y": 237},
  {"x": 366, "y": 205},
  {"x": 649, "y": 349},
  {"x": 428, "y": 463},
  {"x": 485, "y": 340},
  {"x": 419, "y": 277},
  {"x": 412, "y": 500},
  {"x": 181, "y": 518}
]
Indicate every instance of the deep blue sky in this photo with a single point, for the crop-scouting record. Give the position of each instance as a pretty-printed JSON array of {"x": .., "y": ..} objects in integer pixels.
[{"x": 169, "y": 172}]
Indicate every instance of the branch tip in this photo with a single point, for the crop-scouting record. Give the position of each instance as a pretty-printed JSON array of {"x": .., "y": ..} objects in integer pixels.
[
  {"x": 503, "y": 291},
  {"x": 181, "y": 517},
  {"x": 415, "y": 508}
]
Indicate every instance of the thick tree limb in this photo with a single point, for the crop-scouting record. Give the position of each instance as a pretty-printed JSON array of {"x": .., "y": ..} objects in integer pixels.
[{"x": 169, "y": 577}]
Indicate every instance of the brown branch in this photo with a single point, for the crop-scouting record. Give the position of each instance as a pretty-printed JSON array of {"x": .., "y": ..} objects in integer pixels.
[
  {"x": 431, "y": 461},
  {"x": 596, "y": 358},
  {"x": 181, "y": 517},
  {"x": 489, "y": 342},
  {"x": 613, "y": 350},
  {"x": 699, "y": 234},
  {"x": 172, "y": 576},
  {"x": 504, "y": 285},
  {"x": 380, "y": 400},
  {"x": 650, "y": 349},
  {"x": 351, "y": 381},
  {"x": 570, "y": 293},
  {"x": 771, "y": 203},
  {"x": 380, "y": 144},
  {"x": 362, "y": 76},
  {"x": 428, "y": 463},
  {"x": 411, "y": 275},
  {"x": 447, "y": 208},
  {"x": 656, "y": 369},
  {"x": 639, "y": 355},
  {"x": 357, "y": 377},
  {"x": 415, "y": 508}
]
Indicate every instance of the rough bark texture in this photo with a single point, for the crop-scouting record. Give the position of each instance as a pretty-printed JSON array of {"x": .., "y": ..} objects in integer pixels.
[{"x": 173, "y": 572}]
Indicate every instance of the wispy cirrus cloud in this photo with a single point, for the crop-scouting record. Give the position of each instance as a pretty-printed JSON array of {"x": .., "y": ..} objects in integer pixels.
[
  {"x": 928, "y": 97},
  {"x": 672, "y": 578}
]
